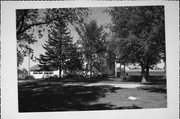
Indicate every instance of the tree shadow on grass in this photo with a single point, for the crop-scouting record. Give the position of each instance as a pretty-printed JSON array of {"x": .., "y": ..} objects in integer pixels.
[
  {"x": 107, "y": 106},
  {"x": 43, "y": 96},
  {"x": 129, "y": 107},
  {"x": 155, "y": 88},
  {"x": 155, "y": 83},
  {"x": 151, "y": 79}
]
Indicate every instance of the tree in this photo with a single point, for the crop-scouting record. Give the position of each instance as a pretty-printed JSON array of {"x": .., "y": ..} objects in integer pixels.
[
  {"x": 58, "y": 48},
  {"x": 28, "y": 19},
  {"x": 24, "y": 36},
  {"x": 74, "y": 63},
  {"x": 92, "y": 39},
  {"x": 140, "y": 34}
]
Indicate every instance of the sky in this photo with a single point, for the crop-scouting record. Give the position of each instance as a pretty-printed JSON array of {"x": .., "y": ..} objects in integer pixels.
[{"x": 98, "y": 14}]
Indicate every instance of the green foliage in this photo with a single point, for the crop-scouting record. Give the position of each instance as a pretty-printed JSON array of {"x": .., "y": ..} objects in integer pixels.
[
  {"x": 93, "y": 39},
  {"x": 28, "y": 19},
  {"x": 140, "y": 34},
  {"x": 75, "y": 62},
  {"x": 56, "y": 46},
  {"x": 60, "y": 52}
]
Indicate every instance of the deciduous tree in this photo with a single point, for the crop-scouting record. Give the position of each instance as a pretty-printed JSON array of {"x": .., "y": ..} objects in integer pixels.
[
  {"x": 28, "y": 19},
  {"x": 140, "y": 32},
  {"x": 92, "y": 41}
]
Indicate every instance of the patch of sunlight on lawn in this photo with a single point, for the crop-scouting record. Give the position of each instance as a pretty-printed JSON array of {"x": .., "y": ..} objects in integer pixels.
[{"x": 145, "y": 99}]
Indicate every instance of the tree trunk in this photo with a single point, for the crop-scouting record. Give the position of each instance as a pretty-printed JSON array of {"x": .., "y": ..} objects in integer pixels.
[
  {"x": 91, "y": 69},
  {"x": 125, "y": 69},
  {"x": 60, "y": 71},
  {"x": 147, "y": 72},
  {"x": 124, "y": 72},
  {"x": 120, "y": 71},
  {"x": 87, "y": 69},
  {"x": 147, "y": 69},
  {"x": 142, "y": 70},
  {"x": 143, "y": 74}
]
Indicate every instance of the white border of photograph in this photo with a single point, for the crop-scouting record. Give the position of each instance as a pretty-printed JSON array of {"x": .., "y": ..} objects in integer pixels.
[{"x": 9, "y": 85}]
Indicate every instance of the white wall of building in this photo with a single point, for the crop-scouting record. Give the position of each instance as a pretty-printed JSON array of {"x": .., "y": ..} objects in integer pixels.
[{"x": 45, "y": 74}]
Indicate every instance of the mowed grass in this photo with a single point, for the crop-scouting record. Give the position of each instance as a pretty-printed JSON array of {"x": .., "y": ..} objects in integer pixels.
[
  {"x": 42, "y": 96},
  {"x": 137, "y": 72},
  {"x": 145, "y": 99}
]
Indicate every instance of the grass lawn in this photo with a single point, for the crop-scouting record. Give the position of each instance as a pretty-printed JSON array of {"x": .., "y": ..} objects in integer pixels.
[{"x": 41, "y": 96}]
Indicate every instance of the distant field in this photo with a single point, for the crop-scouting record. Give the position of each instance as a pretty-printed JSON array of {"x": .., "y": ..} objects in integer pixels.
[{"x": 151, "y": 72}]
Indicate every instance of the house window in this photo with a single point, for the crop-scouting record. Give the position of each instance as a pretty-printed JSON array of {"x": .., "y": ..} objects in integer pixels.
[
  {"x": 37, "y": 72},
  {"x": 48, "y": 72}
]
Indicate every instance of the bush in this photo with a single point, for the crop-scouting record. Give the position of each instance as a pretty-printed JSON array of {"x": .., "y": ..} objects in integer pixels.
[
  {"x": 104, "y": 75},
  {"x": 69, "y": 76},
  {"x": 53, "y": 77},
  {"x": 30, "y": 78}
]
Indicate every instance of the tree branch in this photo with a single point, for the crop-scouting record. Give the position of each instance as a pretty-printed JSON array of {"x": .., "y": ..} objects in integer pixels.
[
  {"x": 36, "y": 24},
  {"x": 22, "y": 17}
]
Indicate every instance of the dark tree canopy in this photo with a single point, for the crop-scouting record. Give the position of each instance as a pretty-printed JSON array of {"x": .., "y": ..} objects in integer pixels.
[
  {"x": 140, "y": 34},
  {"x": 58, "y": 48},
  {"x": 93, "y": 39},
  {"x": 27, "y": 19}
]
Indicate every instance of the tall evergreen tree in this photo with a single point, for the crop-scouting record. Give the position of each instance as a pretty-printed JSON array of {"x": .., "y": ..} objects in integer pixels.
[
  {"x": 28, "y": 19},
  {"x": 74, "y": 63},
  {"x": 57, "y": 47}
]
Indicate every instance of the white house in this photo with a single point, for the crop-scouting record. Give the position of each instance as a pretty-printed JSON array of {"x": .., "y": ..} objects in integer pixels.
[
  {"x": 38, "y": 73},
  {"x": 112, "y": 69}
]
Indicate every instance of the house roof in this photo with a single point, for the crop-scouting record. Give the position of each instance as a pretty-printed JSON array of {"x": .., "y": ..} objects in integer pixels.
[
  {"x": 41, "y": 68},
  {"x": 35, "y": 68}
]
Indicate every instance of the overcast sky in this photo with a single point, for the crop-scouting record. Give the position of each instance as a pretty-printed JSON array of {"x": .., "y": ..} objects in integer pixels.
[{"x": 97, "y": 14}]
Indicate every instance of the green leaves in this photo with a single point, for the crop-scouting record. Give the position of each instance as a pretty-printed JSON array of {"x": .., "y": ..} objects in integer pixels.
[
  {"x": 60, "y": 52},
  {"x": 93, "y": 43},
  {"x": 140, "y": 33},
  {"x": 28, "y": 19}
]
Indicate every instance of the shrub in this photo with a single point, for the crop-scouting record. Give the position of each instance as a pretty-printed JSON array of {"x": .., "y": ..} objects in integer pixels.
[{"x": 30, "y": 78}]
